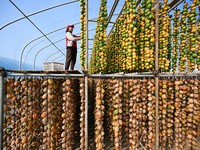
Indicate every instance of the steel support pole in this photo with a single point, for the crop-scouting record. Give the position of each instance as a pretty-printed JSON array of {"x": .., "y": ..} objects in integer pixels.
[
  {"x": 1, "y": 108},
  {"x": 86, "y": 77},
  {"x": 86, "y": 112},
  {"x": 157, "y": 38},
  {"x": 157, "y": 78},
  {"x": 157, "y": 112}
]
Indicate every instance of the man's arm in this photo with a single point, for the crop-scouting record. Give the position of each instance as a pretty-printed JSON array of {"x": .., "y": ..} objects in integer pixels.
[
  {"x": 71, "y": 37},
  {"x": 77, "y": 36}
]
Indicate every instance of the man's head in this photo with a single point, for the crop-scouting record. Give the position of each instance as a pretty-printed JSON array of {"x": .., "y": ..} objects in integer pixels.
[{"x": 69, "y": 28}]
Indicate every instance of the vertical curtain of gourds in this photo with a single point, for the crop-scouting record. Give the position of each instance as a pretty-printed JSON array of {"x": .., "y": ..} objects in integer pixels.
[{"x": 130, "y": 47}]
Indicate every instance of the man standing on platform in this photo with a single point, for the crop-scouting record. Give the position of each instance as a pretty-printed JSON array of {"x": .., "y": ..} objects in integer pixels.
[{"x": 71, "y": 47}]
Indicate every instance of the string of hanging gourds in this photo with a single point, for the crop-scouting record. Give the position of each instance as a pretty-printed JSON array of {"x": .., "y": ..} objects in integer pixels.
[{"x": 130, "y": 47}]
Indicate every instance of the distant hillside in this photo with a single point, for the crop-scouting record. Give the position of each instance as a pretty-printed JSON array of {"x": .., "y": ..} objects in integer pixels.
[{"x": 8, "y": 63}]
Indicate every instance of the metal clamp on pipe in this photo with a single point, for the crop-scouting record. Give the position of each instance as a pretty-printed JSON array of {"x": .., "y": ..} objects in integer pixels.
[
  {"x": 155, "y": 73},
  {"x": 3, "y": 72},
  {"x": 85, "y": 73}
]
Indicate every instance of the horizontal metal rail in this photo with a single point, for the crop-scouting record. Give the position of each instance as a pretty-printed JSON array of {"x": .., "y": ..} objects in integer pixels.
[
  {"x": 45, "y": 75},
  {"x": 179, "y": 75},
  {"x": 119, "y": 75},
  {"x": 101, "y": 75}
]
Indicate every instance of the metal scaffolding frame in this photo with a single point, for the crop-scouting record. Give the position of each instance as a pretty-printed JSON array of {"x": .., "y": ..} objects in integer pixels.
[{"x": 156, "y": 74}]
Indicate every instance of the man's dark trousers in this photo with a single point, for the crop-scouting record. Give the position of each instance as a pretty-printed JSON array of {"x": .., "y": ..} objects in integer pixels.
[{"x": 70, "y": 57}]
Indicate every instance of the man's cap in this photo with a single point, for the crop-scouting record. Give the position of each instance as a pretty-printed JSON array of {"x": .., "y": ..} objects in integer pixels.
[{"x": 69, "y": 26}]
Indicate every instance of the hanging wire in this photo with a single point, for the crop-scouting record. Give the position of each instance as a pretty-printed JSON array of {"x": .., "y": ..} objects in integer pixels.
[
  {"x": 37, "y": 13},
  {"x": 37, "y": 28},
  {"x": 32, "y": 48}
]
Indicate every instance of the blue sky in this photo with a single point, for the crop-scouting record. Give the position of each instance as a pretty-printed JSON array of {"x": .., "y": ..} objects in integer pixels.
[{"x": 14, "y": 37}]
